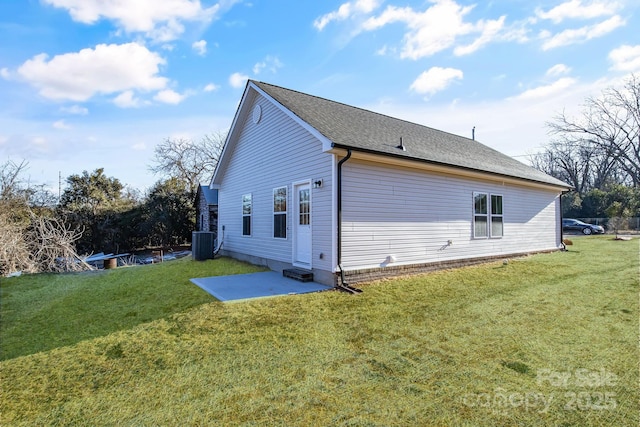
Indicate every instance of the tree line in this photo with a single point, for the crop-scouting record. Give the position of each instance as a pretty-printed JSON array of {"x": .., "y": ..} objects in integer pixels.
[
  {"x": 98, "y": 213},
  {"x": 598, "y": 153}
]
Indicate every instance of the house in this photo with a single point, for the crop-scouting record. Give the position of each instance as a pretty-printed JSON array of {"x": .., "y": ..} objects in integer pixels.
[
  {"x": 352, "y": 195},
  {"x": 206, "y": 209}
]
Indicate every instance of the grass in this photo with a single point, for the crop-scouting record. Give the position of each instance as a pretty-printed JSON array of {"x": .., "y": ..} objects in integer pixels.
[
  {"x": 545, "y": 340},
  {"x": 45, "y": 311}
]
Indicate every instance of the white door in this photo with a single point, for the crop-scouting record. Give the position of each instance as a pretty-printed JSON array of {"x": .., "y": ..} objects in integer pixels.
[{"x": 302, "y": 226}]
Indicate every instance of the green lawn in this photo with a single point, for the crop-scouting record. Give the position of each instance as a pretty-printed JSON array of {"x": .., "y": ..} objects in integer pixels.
[
  {"x": 46, "y": 311},
  {"x": 545, "y": 340}
]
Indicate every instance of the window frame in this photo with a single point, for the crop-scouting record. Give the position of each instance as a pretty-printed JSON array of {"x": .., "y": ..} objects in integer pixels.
[
  {"x": 490, "y": 217},
  {"x": 280, "y": 213},
  {"x": 248, "y": 214},
  {"x": 476, "y": 215},
  {"x": 303, "y": 217},
  {"x": 493, "y": 215}
]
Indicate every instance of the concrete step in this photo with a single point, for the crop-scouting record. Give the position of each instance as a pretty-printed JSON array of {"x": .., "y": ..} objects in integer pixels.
[{"x": 298, "y": 274}]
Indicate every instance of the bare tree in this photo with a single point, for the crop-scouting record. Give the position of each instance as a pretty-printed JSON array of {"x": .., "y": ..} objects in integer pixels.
[
  {"x": 14, "y": 251},
  {"x": 188, "y": 161},
  {"x": 10, "y": 181},
  {"x": 582, "y": 165},
  {"x": 52, "y": 245},
  {"x": 610, "y": 124},
  {"x": 31, "y": 240},
  {"x": 44, "y": 244}
]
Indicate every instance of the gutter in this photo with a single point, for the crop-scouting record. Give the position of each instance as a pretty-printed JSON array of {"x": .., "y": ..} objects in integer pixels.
[{"x": 531, "y": 181}]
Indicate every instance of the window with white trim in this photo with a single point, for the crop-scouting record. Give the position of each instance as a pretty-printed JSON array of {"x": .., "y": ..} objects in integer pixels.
[
  {"x": 487, "y": 216},
  {"x": 280, "y": 213},
  {"x": 247, "y": 208},
  {"x": 497, "y": 226},
  {"x": 480, "y": 215}
]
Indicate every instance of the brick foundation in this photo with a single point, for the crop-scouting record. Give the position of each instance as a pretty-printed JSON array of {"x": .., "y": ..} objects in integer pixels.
[{"x": 370, "y": 274}]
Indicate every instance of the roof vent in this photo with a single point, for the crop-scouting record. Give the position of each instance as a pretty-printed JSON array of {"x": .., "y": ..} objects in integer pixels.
[
  {"x": 401, "y": 146},
  {"x": 473, "y": 133}
]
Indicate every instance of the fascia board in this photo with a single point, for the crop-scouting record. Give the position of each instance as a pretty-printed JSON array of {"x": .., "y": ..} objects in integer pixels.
[{"x": 444, "y": 169}]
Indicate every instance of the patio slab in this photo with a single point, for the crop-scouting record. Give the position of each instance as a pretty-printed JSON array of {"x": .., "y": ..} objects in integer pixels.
[{"x": 255, "y": 285}]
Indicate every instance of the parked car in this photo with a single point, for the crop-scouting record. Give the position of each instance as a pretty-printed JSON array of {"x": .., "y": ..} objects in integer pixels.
[{"x": 569, "y": 224}]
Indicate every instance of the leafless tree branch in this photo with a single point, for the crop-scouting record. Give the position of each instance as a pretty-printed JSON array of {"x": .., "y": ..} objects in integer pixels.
[
  {"x": 610, "y": 126},
  {"x": 189, "y": 161}
]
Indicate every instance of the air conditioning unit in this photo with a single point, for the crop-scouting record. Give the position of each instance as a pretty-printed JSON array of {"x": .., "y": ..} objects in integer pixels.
[{"x": 202, "y": 245}]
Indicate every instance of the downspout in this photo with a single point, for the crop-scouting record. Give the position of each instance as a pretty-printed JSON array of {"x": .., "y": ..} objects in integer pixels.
[
  {"x": 564, "y": 247},
  {"x": 342, "y": 285}
]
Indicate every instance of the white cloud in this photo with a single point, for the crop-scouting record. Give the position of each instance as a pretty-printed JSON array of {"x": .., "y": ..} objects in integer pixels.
[
  {"x": 345, "y": 11},
  {"x": 557, "y": 70},
  {"x": 439, "y": 27},
  {"x": 211, "y": 87},
  {"x": 61, "y": 125},
  {"x": 548, "y": 90},
  {"x": 169, "y": 96},
  {"x": 238, "y": 80},
  {"x": 545, "y": 34},
  {"x": 575, "y": 9},
  {"x": 384, "y": 50},
  {"x": 271, "y": 63},
  {"x": 158, "y": 20},
  {"x": 200, "y": 47},
  {"x": 625, "y": 58},
  {"x": 572, "y": 36},
  {"x": 75, "y": 109},
  {"x": 127, "y": 100},
  {"x": 435, "y": 79},
  {"x": 106, "y": 69},
  {"x": 489, "y": 31},
  {"x": 140, "y": 146},
  {"x": 5, "y": 73}
]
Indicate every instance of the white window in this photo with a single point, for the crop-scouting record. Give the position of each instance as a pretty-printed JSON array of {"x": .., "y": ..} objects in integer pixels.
[
  {"x": 487, "y": 216},
  {"x": 247, "y": 208},
  {"x": 496, "y": 216},
  {"x": 280, "y": 213},
  {"x": 480, "y": 215},
  {"x": 304, "y": 209}
]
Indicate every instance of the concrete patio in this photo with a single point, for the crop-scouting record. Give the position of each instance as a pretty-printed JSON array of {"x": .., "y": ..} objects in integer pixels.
[{"x": 255, "y": 285}]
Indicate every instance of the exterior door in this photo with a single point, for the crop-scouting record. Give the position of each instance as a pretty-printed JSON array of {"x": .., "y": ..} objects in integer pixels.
[{"x": 302, "y": 226}]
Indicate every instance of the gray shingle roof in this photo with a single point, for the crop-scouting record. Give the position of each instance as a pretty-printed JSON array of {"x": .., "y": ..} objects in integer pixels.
[{"x": 351, "y": 127}]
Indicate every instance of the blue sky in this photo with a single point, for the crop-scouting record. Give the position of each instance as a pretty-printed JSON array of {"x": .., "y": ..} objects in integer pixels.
[{"x": 99, "y": 83}]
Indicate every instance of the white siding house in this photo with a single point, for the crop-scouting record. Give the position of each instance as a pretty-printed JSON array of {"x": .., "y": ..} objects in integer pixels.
[
  {"x": 347, "y": 193},
  {"x": 409, "y": 216},
  {"x": 272, "y": 152}
]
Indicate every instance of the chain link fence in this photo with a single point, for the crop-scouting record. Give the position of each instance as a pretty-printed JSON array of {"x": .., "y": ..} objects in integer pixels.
[{"x": 616, "y": 225}]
